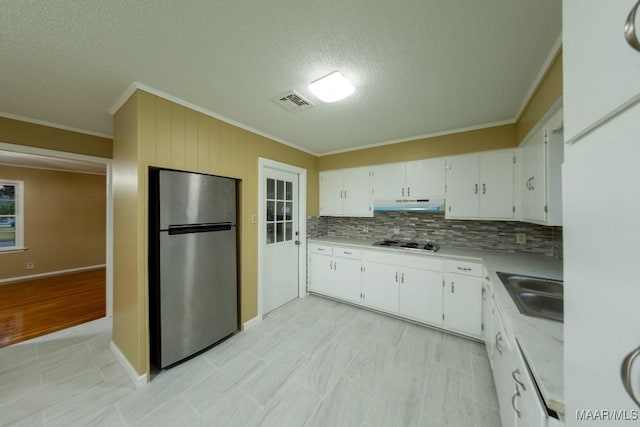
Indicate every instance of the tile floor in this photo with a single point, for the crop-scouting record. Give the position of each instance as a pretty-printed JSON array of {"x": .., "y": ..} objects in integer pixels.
[{"x": 313, "y": 362}]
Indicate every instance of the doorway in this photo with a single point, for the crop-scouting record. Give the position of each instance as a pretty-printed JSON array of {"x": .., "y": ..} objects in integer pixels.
[{"x": 282, "y": 235}]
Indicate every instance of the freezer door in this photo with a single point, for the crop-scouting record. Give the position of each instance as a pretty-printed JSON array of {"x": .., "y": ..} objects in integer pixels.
[
  {"x": 198, "y": 292},
  {"x": 191, "y": 198}
]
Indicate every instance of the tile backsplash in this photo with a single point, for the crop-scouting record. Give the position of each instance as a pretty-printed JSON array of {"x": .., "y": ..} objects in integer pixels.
[{"x": 494, "y": 235}]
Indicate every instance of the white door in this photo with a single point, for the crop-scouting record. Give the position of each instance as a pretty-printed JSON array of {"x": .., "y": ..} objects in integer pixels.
[
  {"x": 463, "y": 174},
  {"x": 496, "y": 184},
  {"x": 279, "y": 239}
]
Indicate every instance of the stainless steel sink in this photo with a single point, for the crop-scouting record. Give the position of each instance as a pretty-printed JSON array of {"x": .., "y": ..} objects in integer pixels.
[{"x": 535, "y": 296}]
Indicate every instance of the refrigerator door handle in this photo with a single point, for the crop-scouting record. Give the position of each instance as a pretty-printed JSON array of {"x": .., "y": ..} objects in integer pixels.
[
  {"x": 199, "y": 228},
  {"x": 625, "y": 373}
]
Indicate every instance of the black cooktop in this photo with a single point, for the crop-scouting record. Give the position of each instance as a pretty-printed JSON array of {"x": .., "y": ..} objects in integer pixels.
[{"x": 421, "y": 246}]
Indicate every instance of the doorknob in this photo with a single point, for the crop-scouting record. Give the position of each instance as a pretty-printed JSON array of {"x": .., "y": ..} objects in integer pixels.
[{"x": 297, "y": 242}]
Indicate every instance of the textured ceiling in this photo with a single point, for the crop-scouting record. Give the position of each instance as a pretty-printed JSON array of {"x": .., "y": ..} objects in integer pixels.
[{"x": 419, "y": 66}]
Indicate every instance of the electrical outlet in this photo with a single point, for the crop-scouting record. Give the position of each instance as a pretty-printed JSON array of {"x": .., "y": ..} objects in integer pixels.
[
  {"x": 365, "y": 228},
  {"x": 254, "y": 219},
  {"x": 396, "y": 230},
  {"x": 521, "y": 238},
  {"x": 30, "y": 265}
]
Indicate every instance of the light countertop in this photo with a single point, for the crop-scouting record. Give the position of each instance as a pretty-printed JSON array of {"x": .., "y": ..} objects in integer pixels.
[{"x": 541, "y": 340}]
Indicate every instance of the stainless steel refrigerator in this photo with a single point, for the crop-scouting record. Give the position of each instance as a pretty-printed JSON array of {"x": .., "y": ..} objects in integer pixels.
[{"x": 193, "y": 292}]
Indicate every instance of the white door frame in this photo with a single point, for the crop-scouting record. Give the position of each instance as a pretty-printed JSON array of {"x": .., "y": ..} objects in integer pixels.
[
  {"x": 302, "y": 225},
  {"x": 109, "y": 205}
]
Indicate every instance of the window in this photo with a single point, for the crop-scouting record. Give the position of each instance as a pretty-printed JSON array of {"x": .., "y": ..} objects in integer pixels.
[
  {"x": 11, "y": 215},
  {"x": 279, "y": 211}
]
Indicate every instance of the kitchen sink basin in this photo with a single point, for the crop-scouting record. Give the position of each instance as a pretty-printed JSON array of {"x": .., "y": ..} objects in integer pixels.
[{"x": 535, "y": 296}]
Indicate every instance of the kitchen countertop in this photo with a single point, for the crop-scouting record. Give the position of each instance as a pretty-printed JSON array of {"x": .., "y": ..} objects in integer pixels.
[{"x": 541, "y": 340}]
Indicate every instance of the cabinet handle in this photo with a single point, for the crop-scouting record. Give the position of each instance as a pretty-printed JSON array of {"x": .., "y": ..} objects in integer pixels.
[
  {"x": 498, "y": 339},
  {"x": 335, "y": 265},
  {"x": 476, "y": 191},
  {"x": 402, "y": 191},
  {"x": 402, "y": 278},
  {"x": 345, "y": 194},
  {"x": 630, "y": 28},
  {"x": 484, "y": 291},
  {"x": 330, "y": 265},
  {"x": 341, "y": 194},
  {"x": 464, "y": 268},
  {"x": 513, "y": 401},
  {"x": 396, "y": 277},
  {"x": 347, "y": 253},
  {"x": 484, "y": 188},
  {"x": 625, "y": 372},
  {"x": 320, "y": 249},
  {"x": 520, "y": 383},
  {"x": 532, "y": 187},
  {"x": 408, "y": 191},
  {"x": 453, "y": 287}
]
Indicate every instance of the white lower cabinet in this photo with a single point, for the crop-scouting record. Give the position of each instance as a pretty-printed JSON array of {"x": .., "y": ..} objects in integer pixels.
[
  {"x": 487, "y": 317},
  {"x": 463, "y": 304},
  {"x": 526, "y": 401},
  {"x": 380, "y": 286},
  {"x": 503, "y": 365},
  {"x": 421, "y": 295},
  {"x": 335, "y": 272}
]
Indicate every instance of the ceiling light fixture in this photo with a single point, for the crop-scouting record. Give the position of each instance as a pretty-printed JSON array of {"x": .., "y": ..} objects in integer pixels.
[{"x": 331, "y": 88}]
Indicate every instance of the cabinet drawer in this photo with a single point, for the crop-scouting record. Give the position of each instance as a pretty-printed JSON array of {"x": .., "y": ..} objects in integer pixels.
[
  {"x": 463, "y": 267},
  {"x": 315, "y": 248},
  {"x": 404, "y": 260},
  {"x": 347, "y": 252}
]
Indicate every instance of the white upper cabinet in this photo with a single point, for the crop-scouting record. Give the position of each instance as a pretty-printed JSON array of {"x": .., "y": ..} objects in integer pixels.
[
  {"x": 345, "y": 192},
  {"x": 601, "y": 69},
  {"x": 540, "y": 183},
  {"x": 480, "y": 185},
  {"x": 411, "y": 180}
]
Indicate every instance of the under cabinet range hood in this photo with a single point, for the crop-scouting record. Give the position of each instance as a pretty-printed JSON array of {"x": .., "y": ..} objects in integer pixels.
[{"x": 434, "y": 204}]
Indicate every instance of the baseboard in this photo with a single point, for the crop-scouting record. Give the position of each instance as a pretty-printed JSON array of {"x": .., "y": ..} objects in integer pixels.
[
  {"x": 251, "y": 323},
  {"x": 51, "y": 273},
  {"x": 138, "y": 380}
]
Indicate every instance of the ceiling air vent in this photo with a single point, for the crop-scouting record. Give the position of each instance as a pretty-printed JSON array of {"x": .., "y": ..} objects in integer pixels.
[{"x": 294, "y": 102}]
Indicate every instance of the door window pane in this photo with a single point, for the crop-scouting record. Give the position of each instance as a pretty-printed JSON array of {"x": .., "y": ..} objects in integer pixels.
[
  {"x": 270, "y": 233},
  {"x": 271, "y": 189},
  {"x": 280, "y": 193},
  {"x": 288, "y": 211},
  {"x": 288, "y": 230},
  {"x": 289, "y": 191},
  {"x": 280, "y": 232},
  {"x": 7, "y": 207},
  {"x": 271, "y": 210},
  {"x": 280, "y": 212}
]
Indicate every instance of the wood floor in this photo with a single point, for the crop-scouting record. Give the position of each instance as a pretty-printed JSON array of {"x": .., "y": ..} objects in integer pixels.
[{"x": 31, "y": 308}]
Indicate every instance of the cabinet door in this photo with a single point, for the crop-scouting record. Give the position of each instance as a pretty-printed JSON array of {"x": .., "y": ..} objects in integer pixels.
[
  {"x": 421, "y": 295},
  {"x": 331, "y": 193},
  {"x": 532, "y": 177},
  {"x": 388, "y": 181},
  {"x": 347, "y": 279},
  {"x": 380, "y": 285},
  {"x": 600, "y": 68},
  {"x": 503, "y": 364},
  {"x": 425, "y": 178},
  {"x": 463, "y": 175},
  {"x": 487, "y": 317},
  {"x": 463, "y": 304},
  {"x": 496, "y": 184},
  {"x": 321, "y": 274},
  {"x": 357, "y": 192}
]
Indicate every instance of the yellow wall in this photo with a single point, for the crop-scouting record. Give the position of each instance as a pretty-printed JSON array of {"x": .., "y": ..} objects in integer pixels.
[
  {"x": 151, "y": 131},
  {"x": 492, "y": 138},
  {"x": 24, "y": 133},
  {"x": 65, "y": 221},
  {"x": 546, "y": 94}
]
